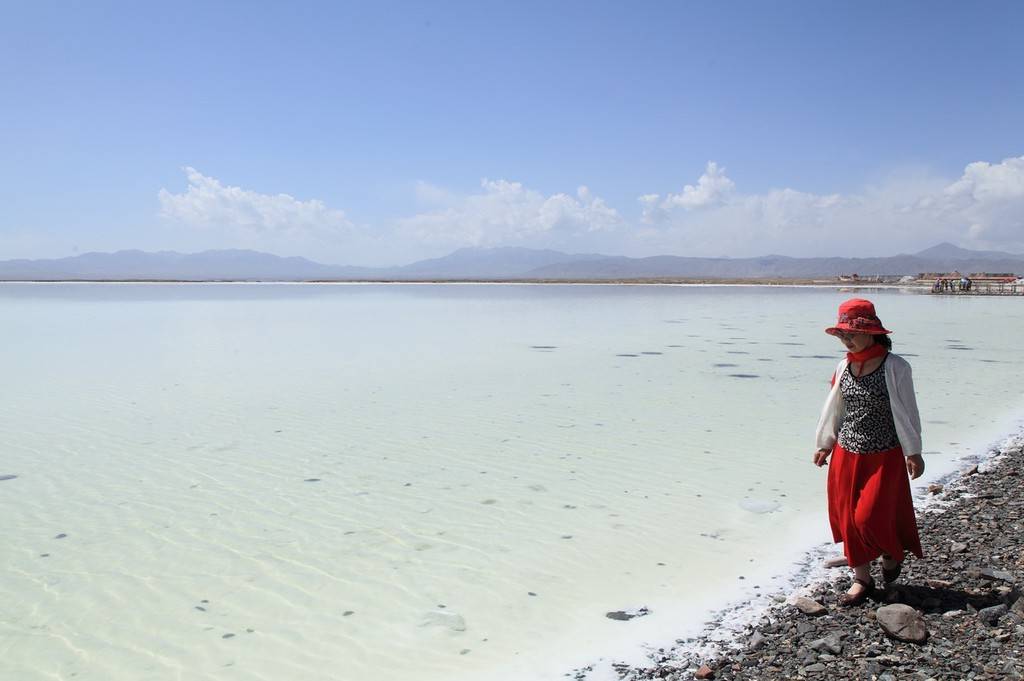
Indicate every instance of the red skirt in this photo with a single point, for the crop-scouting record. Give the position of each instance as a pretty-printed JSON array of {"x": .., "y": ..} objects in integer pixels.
[{"x": 869, "y": 505}]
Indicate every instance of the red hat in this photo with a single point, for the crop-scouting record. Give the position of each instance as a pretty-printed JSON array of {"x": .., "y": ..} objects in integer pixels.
[{"x": 858, "y": 316}]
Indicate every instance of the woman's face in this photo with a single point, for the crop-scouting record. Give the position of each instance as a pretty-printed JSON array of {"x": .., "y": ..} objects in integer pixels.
[{"x": 855, "y": 342}]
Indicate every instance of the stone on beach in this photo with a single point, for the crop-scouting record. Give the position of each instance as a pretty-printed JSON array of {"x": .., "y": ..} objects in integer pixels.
[
  {"x": 835, "y": 561},
  {"x": 992, "y": 614},
  {"x": 996, "y": 575},
  {"x": 625, "y": 615},
  {"x": 831, "y": 643},
  {"x": 934, "y": 488},
  {"x": 705, "y": 672},
  {"x": 902, "y": 622},
  {"x": 809, "y": 606}
]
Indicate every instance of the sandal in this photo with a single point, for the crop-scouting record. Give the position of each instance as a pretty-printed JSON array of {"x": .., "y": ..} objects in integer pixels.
[
  {"x": 847, "y": 600},
  {"x": 890, "y": 575}
]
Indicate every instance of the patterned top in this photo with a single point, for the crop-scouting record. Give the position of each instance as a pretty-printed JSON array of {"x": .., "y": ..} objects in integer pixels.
[{"x": 867, "y": 426}]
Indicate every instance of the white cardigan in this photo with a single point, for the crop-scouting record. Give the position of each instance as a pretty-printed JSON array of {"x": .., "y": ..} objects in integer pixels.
[{"x": 900, "y": 384}]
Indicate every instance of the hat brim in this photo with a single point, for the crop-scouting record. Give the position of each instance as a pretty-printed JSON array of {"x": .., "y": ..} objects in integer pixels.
[{"x": 880, "y": 331}]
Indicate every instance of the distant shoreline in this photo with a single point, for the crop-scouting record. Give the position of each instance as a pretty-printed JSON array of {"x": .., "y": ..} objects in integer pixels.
[{"x": 647, "y": 281}]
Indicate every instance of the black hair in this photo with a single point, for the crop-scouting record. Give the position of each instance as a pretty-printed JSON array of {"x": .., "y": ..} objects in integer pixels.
[{"x": 883, "y": 340}]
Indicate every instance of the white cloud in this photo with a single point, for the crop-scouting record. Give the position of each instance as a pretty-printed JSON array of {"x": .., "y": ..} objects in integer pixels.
[
  {"x": 983, "y": 181},
  {"x": 507, "y": 212},
  {"x": 989, "y": 198},
  {"x": 712, "y": 187},
  {"x": 984, "y": 208},
  {"x": 208, "y": 203}
]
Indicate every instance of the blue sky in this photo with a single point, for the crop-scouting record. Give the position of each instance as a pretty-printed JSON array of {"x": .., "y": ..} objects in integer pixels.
[{"x": 379, "y": 133}]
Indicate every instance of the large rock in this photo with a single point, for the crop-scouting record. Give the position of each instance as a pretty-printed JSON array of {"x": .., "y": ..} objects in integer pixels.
[
  {"x": 809, "y": 606},
  {"x": 625, "y": 615},
  {"x": 828, "y": 644},
  {"x": 902, "y": 622},
  {"x": 996, "y": 575},
  {"x": 991, "y": 615}
]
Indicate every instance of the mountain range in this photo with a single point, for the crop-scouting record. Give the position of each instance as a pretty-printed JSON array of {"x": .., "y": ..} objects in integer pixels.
[{"x": 495, "y": 264}]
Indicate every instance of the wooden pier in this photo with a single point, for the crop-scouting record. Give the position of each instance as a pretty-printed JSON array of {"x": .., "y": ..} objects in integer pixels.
[{"x": 980, "y": 286}]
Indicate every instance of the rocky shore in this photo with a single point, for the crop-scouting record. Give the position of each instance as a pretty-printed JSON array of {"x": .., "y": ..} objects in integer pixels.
[{"x": 957, "y": 614}]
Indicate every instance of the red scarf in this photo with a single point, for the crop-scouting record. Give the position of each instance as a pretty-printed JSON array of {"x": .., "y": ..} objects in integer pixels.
[{"x": 872, "y": 351}]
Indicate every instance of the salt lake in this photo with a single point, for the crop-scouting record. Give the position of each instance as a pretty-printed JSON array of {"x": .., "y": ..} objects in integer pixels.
[{"x": 346, "y": 482}]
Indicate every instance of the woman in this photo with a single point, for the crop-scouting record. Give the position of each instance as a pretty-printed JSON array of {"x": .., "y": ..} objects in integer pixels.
[{"x": 871, "y": 428}]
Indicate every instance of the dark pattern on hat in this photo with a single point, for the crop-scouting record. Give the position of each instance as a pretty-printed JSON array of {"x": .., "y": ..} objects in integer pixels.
[{"x": 861, "y": 322}]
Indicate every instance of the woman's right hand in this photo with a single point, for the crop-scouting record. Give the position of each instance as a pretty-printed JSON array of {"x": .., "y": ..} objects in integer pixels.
[{"x": 821, "y": 457}]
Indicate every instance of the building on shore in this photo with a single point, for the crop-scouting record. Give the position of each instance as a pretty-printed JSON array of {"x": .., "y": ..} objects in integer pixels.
[
  {"x": 871, "y": 279},
  {"x": 981, "y": 283},
  {"x": 995, "y": 276}
]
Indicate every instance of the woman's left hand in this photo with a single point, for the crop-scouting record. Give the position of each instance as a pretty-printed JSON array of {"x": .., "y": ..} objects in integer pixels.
[{"x": 915, "y": 466}]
